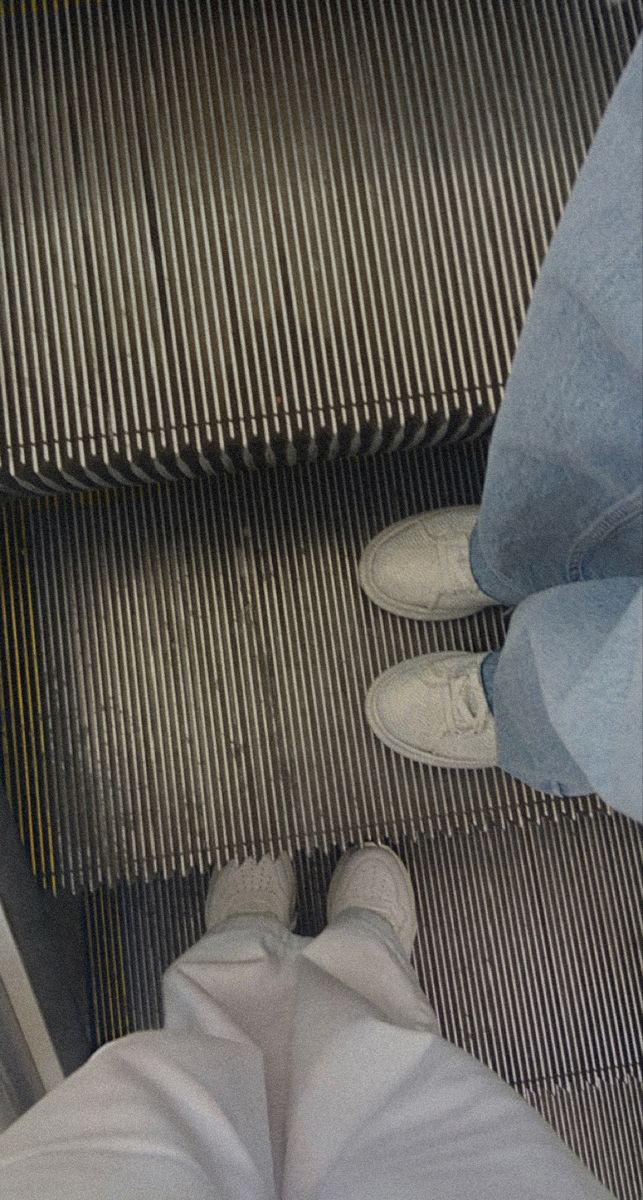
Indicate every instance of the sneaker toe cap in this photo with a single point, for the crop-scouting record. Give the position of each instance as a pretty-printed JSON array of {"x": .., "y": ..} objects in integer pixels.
[
  {"x": 398, "y": 707},
  {"x": 396, "y": 567},
  {"x": 408, "y": 709}
]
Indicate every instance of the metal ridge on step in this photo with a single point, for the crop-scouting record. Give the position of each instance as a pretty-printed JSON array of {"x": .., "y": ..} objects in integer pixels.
[{"x": 185, "y": 668}]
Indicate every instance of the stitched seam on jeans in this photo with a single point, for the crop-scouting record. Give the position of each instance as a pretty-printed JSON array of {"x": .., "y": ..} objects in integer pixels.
[{"x": 613, "y": 518}]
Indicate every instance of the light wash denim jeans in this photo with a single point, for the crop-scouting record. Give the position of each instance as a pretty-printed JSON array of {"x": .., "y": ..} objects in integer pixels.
[{"x": 560, "y": 534}]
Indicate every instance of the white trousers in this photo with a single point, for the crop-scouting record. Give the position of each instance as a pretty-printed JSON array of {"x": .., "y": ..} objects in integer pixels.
[{"x": 288, "y": 1068}]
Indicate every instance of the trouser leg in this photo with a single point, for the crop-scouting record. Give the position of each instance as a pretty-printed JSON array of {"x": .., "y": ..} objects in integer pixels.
[
  {"x": 566, "y": 692},
  {"x": 562, "y": 496}
]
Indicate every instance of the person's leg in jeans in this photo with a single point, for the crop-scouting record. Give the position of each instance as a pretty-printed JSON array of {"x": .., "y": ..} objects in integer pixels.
[
  {"x": 562, "y": 494},
  {"x": 562, "y": 501},
  {"x": 561, "y": 509},
  {"x": 567, "y": 701}
]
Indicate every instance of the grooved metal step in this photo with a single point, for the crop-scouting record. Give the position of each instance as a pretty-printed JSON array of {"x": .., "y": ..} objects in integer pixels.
[
  {"x": 528, "y": 950},
  {"x": 234, "y": 230},
  {"x": 600, "y": 1119},
  {"x": 234, "y": 233},
  {"x": 183, "y": 673},
  {"x": 185, "y": 668}
]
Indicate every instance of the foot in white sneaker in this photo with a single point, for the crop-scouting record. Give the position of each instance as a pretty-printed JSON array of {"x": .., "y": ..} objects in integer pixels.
[
  {"x": 420, "y": 568},
  {"x": 258, "y": 889},
  {"x": 376, "y": 879},
  {"x": 434, "y": 709}
]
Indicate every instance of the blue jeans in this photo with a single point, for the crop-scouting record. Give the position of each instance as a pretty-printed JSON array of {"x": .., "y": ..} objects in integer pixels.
[{"x": 560, "y": 533}]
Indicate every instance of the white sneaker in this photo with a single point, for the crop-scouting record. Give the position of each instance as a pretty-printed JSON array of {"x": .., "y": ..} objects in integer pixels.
[
  {"x": 420, "y": 568},
  {"x": 258, "y": 889},
  {"x": 376, "y": 879},
  {"x": 434, "y": 709}
]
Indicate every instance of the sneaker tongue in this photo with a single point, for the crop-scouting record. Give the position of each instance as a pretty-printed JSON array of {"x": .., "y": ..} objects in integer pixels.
[
  {"x": 461, "y": 559},
  {"x": 468, "y": 711}
]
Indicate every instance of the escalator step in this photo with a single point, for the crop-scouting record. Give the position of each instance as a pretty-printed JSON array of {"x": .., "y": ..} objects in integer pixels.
[
  {"x": 185, "y": 668},
  {"x": 242, "y": 231}
]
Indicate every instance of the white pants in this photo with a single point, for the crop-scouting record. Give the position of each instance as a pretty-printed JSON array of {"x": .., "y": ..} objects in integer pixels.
[{"x": 288, "y": 1068}]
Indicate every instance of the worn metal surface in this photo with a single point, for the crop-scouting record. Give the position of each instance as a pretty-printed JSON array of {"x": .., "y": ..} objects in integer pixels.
[
  {"x": 185, "y": 668},
  {"x": 237, "y": 230}
]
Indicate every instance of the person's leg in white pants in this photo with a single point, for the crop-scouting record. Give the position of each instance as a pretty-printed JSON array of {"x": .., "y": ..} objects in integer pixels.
[{"x": 289, "y": 1068}]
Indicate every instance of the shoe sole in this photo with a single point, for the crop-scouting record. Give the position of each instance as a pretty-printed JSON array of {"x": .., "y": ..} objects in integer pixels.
[
  {"x": 405, "y": 748},
  {"x": 337, "y": 875},
  {"x": 410, "y": 612}
]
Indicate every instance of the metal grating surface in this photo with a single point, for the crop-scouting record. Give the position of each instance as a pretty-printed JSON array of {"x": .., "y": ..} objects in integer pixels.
[
  {"x": 185, "y": 668},
  {"x": 601, "y": 1120},
  {"x": 528, "y": 950},
  {"x": 276, "y": 227},
  {"x": 183, "y": 671}
]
